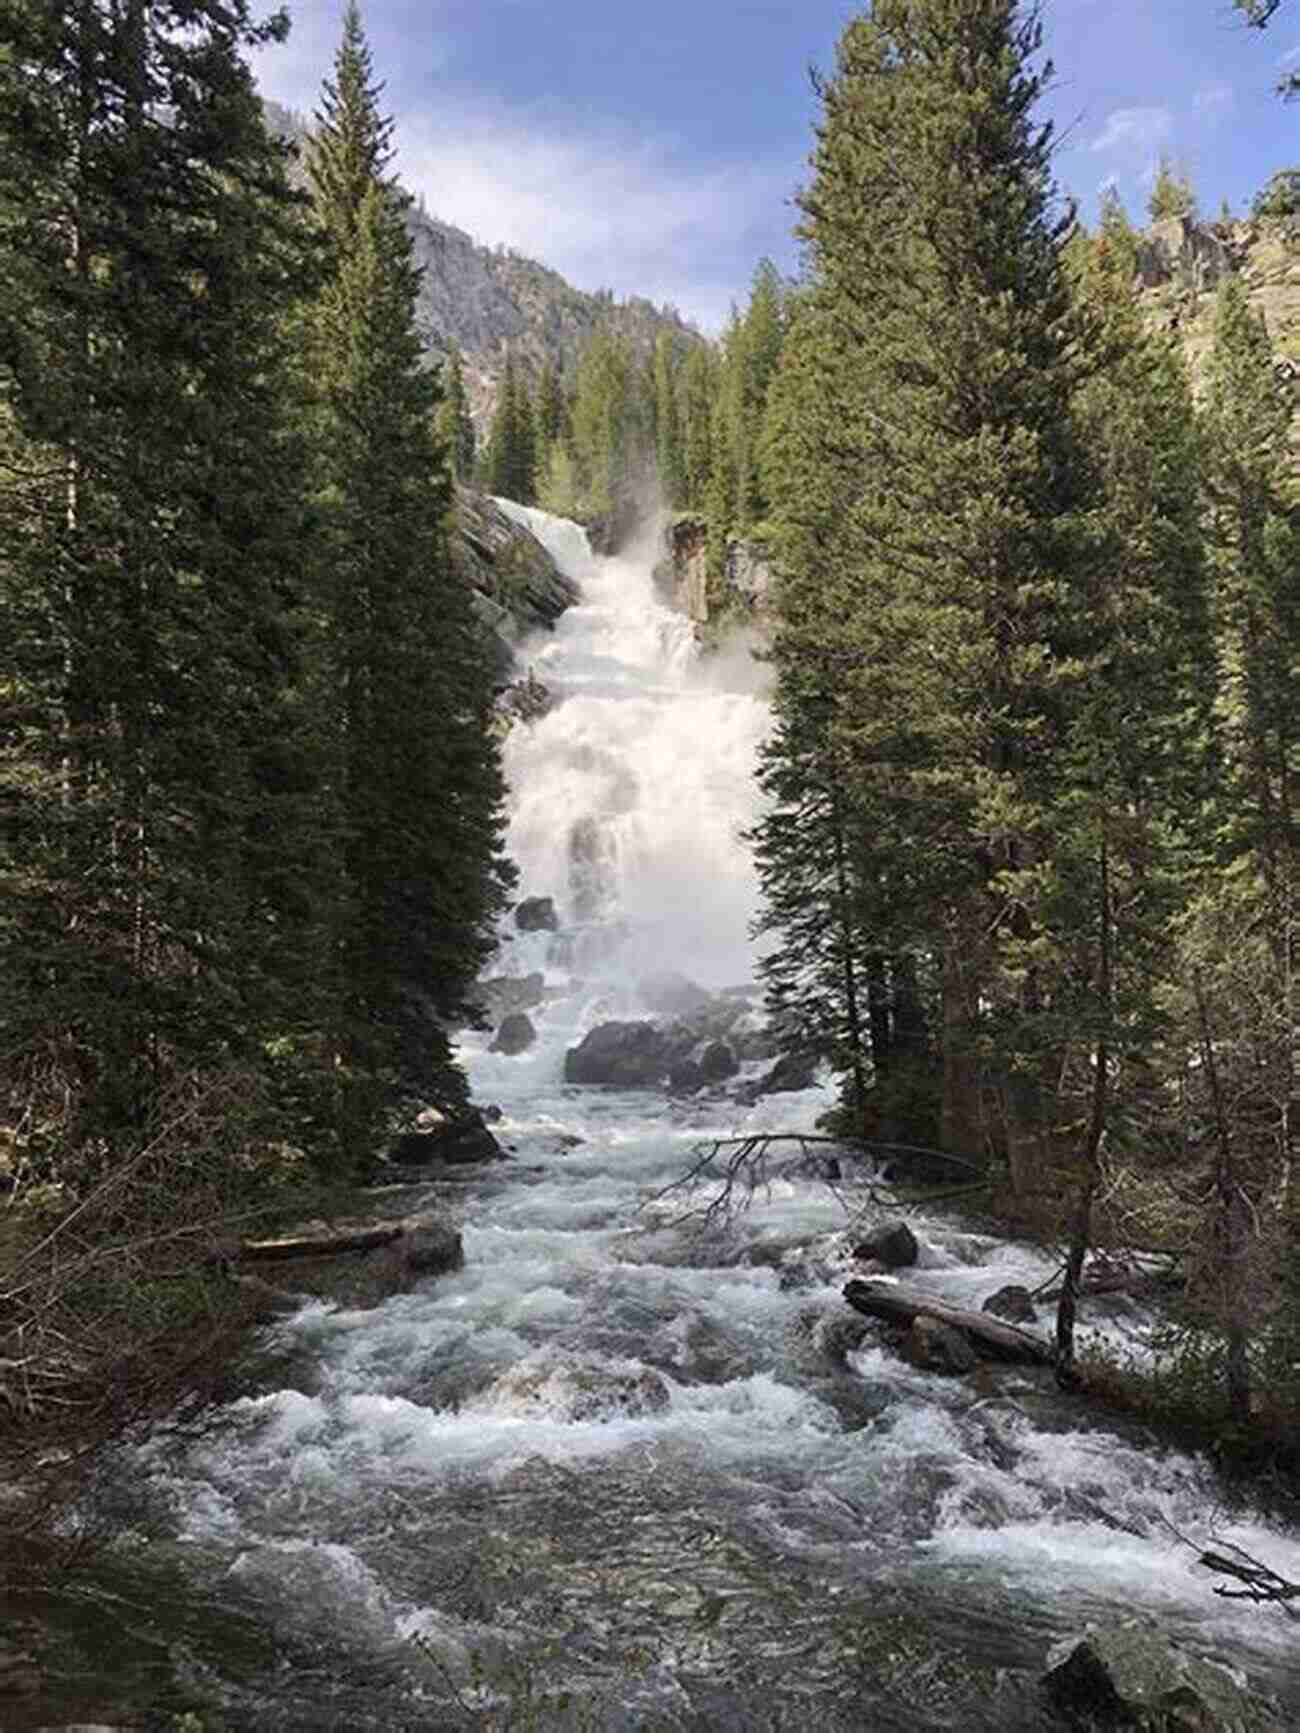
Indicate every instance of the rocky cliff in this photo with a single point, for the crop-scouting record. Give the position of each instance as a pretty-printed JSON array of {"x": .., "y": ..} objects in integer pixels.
[
  {"x": 740, "y": 597},
  {"x": 518, "y": 588},
  {"x": 1181, "y": 263}
]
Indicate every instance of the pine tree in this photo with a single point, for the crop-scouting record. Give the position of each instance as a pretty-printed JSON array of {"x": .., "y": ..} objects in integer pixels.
[
  {"x": 405, "y": 680},
  {"x": 668, "y": 424},
  {"x": 937, "y": 394},
  {"x": 605, "y": 432},
  {"x": 699, "y": 388},
  {"x": 1172, "y": 194},
  {"x": 455, "y": 427},
  {"x": 510, "y": 457},
  {"x": 156, "y": 916}
]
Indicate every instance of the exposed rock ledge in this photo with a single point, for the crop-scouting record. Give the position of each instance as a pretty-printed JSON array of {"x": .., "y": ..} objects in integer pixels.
[{"x": 518, "y": 588}]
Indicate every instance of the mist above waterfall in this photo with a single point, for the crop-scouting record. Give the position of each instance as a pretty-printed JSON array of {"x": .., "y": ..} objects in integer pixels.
[{"x": 629, "y": 798}]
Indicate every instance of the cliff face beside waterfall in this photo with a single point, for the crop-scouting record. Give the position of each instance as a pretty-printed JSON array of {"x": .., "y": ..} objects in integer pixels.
[{"x": 518, "y": 588}]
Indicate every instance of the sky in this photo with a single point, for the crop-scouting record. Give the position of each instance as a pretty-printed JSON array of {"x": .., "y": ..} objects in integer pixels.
[{"x": 655, "y": 149}]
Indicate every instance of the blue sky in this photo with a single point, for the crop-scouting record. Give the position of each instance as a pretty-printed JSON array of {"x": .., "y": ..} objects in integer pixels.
[{"x": 654, "y": 149}]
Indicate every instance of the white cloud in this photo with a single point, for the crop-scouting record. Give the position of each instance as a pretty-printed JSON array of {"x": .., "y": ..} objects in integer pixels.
[
  {"x": 1134, "y": 129},
  {"x": 1214, "y": 100},
  {"x": 603, "y": 213}
]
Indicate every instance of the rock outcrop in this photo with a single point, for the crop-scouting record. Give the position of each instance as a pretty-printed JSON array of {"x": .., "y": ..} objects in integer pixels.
[
  {"x": 1128, "y": 1674},
  {"x": 743, "y": 592},
  {"x": 518, "y": 588}
]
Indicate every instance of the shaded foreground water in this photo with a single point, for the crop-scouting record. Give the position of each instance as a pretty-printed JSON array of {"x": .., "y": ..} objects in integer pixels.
[{"x": 622, "y": 1472}]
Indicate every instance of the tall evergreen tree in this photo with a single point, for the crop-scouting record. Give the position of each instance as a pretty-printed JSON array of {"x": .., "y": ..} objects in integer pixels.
[
  {"x": 455, "y": 427},
  {"x": 405, "y": 682},
  {"x": 511, "y": 451},
  {"x": 668, "y": 424},
  {"x": 948, "y": 564},
  {"x": 154, "y": 547}
]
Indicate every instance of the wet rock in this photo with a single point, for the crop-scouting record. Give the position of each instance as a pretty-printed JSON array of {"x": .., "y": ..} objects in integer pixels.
[
  {"x": 938, "y": 1347},
  {"x": 1128, "y": 1674},
  {"x": 670, "y": 994},
  {"x": 718, "y": 1063},
  {"x": 893, "y": 1246},
  {"x": 579, "y": 1390},
  {"x": 1013, "y": 1303},
  {"x": 515, "y": 1035},
  {"x": 501, "y": 995},
  {"x": 456, "y": 1143},
  {"x": 621, "y": 1055},
  {"x": 685, "y": 1078},
  {"x": 791, "y": 1072},
  {"x": 431, "y": 1248},
  {"x": 839, "y": 1334},
  {"x": 537, "y": 915}
]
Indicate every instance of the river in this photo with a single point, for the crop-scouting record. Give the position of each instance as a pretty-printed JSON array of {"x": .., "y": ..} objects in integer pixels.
[{"x": 625, "y": 1471}]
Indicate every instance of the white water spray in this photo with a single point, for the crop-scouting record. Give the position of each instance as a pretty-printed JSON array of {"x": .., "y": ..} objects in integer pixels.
[{"x": 631, "y": 795}]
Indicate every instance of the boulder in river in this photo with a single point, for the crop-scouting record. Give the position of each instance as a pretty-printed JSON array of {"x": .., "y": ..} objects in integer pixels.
[
  {"x": 1128, "y": 1674},
  {"x": 718, "y": 1063},
  {"x": 894, "y": 1246},
  {"x": 454, "y": 1143},
  {"x": 792, "y": 1071},
  {"x": 938, "y": 1347},
  {"x": 537, "y": 915},
  {"x": 622, "y": 1055},
  {"x": 499, "y": 995},
  {"x": 515, "y": 1035},
  {"x": 685, "y": 1078},
  {"x": 576, "y": 1389},
  {"x": 1013, "y": 1303}
]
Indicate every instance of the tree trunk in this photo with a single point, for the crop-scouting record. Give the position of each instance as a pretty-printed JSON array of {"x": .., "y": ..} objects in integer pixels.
[{"x": 1081, "y": 1226}]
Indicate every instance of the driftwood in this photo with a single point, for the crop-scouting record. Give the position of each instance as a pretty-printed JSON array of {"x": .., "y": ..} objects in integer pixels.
[
  {"x": 998, "y": 1339},
  {"x": 326, "y": 1245},
  {"x": 1262, "y": 1583}
]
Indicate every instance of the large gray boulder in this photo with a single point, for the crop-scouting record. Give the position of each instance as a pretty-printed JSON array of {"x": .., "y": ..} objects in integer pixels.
[
  {"x": 718, "y": 1063},
  {"x": 501, "y": 995},
  {"x": 893, "y": 1245},
  {"x": 1128, "y": 1674},
  {"x": 938, "y": 1347},
  {"x": 515, "y": 1035},
  {"x": 453, "y": 1143},
  {"x": 621, "y": 1055},
  {"x": 537, "y": 915}
]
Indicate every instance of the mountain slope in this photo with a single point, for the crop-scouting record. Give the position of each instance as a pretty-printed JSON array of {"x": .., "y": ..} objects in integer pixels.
[{"x": 490, "y": 300}]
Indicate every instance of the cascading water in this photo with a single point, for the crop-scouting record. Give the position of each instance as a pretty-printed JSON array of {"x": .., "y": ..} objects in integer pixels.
[{"x": 637, "y": 1464}]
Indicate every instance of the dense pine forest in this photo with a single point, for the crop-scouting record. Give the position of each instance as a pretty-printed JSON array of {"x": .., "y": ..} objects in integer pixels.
[
  {"x": 253, "y": 800},
  {"x": 1028, "y": 849}
]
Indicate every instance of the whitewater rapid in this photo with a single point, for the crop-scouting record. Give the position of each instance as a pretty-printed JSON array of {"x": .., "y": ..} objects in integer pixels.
[{"x": 622, "y": 1471}]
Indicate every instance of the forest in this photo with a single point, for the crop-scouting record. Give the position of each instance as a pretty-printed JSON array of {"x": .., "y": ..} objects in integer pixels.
[{"x": 1029, "y": 844}]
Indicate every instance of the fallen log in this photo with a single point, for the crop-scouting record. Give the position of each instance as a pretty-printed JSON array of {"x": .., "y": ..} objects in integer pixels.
[
  {"x": 899, "y": 1305},
  {"x": 325, "y": 1245}
]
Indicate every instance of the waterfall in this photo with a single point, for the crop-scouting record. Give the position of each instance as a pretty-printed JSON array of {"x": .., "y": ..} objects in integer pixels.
[{"x": 630, "y": 796}]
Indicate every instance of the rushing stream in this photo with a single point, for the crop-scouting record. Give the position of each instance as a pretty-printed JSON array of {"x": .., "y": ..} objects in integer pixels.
[{"x": 625, "y": 1459}]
